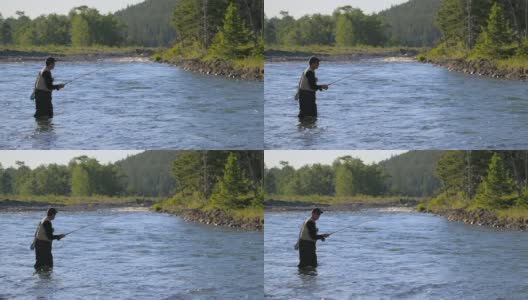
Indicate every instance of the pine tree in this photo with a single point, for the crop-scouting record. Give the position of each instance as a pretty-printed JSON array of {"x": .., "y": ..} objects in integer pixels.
[
  {"x": 496, "y": 35},
  {"x": 231, "y": 186},
  {"x": 497, "y": 183},
  {"x": 233, "y": 38}
]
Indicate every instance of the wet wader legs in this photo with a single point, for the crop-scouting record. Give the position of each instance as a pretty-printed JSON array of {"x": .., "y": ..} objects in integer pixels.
[
  {"x": 307, "y": 105},
  {"x": 307, "y": 255},
  {"x": 43, "y": 103},
  {"x": 43, "y": 255}
]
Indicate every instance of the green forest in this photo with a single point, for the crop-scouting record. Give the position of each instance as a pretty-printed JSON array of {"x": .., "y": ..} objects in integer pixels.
[
  {"x": 493, "y": 180},
  {"x": 83, "y": 176},
  {"x": 230, "y": 180},
  {"x": 346, "y": 27},
  {"x": 442, "y": 180},
  {"x": 408, "y": 24},
  {"x": 220, "y": 30},
  {"x": 147, "y": 174},
  {"x": 492, "y": 30},
  {"x": 82, "y": 27},
  {"x": 348, "y": 179}
]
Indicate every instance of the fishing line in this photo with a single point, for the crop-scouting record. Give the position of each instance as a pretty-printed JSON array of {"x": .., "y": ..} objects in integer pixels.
[
  {"x": 341, "y": 79},
  {"x": 90, "y": 225},
  {"x": 79, "y": 77},
  {"x": 341, "y": 229}
]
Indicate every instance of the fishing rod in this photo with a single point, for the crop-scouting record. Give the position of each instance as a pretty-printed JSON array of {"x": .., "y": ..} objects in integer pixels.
[
  {"x": 341, "y": 79},
  {"x": 341, "y": 229}
]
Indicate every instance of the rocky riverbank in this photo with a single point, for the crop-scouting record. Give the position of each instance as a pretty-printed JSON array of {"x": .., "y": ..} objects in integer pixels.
[
  {"x": 483, "y": 217},
  {"x": 481, "y": 67},
  {"x": 280, "y": 55},
  {"x": 19, "y": 205},
  {"x": 218, "y": 217},
  {"x": 280, "y": 205},
  {"x": 8, "y": 55},
  {"x": 218, "y": 68}
]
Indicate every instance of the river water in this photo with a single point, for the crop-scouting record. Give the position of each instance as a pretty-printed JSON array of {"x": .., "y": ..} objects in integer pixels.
[
  {"x": 396, "y": 255},
  {"x": 395, "y": 104},
  {"x": 131, "y": 105},
  {"x": 131, "y": 255}
]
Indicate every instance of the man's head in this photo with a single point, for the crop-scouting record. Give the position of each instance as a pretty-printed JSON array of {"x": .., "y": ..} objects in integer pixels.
[
  {"x": 314, "y": 62},
  {"x": 50, "y": 63},
  {"x": 316, "y": 213},
  {"x": 52, "y": 212}
]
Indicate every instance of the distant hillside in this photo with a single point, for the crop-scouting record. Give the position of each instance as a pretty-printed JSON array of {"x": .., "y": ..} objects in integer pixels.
[
  {"x": 412, "y": 23},
  {"x": 412, "y": 173},
  {"x": 149, "y": 173},
  {"x": 149, "y": 23}
]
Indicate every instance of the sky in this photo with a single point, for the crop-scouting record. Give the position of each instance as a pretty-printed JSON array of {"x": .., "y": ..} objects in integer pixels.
[
  {"x": 299, "y": 158},
  {"x": 35, "y": 8},
  {"x": 34, "y": 158},
  {"x": 299, "y": 8}
]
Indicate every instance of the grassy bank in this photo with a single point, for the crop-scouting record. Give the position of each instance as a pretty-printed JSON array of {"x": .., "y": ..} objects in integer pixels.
[
  {"x": 80, "y": 200},
  {"x": 199, "y": 60},
  {"x": 459, "y": 58},
  {"x": 457, "y": 208},
  {"x": 199, "y": 210},
  {"x": 334, "y": 200}
]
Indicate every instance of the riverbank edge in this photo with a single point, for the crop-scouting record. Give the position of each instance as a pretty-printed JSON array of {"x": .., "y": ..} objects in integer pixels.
[
  {"x": 215, "y": 68},
  {"x": 216, "y": 217},
  {"x": 274, "y": 55},
  {"x": 481, "y": 217},
  {"x": 11, "y": 55},
  {"x": 480, "y": 67},
  {"x": 275, "y": 205},
  {"x": 15, "y": 205}
]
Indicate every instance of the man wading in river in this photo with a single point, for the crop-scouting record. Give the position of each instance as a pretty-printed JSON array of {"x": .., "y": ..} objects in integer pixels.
[
  {"x": 42, "y": 241},
  {"x": 307, "y": 89},
  {"x": 43, "y": 88},
  {"x": 307, "y": 239}
]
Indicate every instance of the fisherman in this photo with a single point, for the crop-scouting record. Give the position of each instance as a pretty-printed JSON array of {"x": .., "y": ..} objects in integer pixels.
[
  {"x": 43, "y": 239},
  {"x": 43, "y": 88},
  {"x": 307, "y": 239},
  {"x": 307, "y": 88}
]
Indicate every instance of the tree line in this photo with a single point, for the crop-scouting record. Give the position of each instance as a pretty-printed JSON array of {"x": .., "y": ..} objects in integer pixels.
[
  {"x": 231, "y": 179},
  {"x": 487, "y": 179},
  {"x": 347, "y": 176},
  {"x": 347, "y": 26},
  {"x": 83, "y": 176},
  {"x": 409, "y": 174},
  {"x": 223, "y": 179},
  {"x": 485, "y": 28},
  {"x": 83, "y": 26}
]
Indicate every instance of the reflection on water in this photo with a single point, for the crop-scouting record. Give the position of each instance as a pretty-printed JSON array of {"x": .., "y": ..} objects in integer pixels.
[
  {"x": 307, "y": 123},
  {"x": 132, "y": 105}
]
